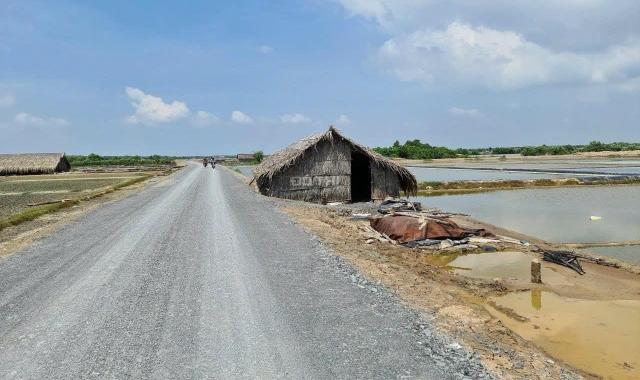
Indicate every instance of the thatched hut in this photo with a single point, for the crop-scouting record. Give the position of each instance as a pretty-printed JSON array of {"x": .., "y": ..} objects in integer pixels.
[
  {"x": 245, "y": 157},
  {"x": 330, "y": 167},
  {"x": 33, "y": 163}
]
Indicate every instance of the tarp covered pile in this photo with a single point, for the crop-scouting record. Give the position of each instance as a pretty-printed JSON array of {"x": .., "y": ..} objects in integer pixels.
[{"x": 404, "y": 229}]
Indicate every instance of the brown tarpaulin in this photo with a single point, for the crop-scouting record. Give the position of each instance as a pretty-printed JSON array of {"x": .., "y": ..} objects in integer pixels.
[{"x": 407, "y": 228}]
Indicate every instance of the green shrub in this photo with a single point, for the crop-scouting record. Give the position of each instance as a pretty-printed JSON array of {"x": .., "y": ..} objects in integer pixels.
[{"x": 97, "y": 160}]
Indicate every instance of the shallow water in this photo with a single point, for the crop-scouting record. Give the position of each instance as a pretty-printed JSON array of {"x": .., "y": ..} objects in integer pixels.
[
  {"x": 612, "y": 170},
  {"x": 630, "y": 253},
  {"x": 246, "y": 170},
  {"x": 506, "y": 265},
  {"x": 547, "y": 164},
  {"x": 446, "y": 174},
  {"x": 596, "y": 336},
  {"x": 470, "y": 171},
  {"x": 554, "y": 214}
]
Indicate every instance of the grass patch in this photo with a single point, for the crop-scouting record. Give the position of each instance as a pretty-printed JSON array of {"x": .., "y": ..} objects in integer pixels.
[
  {"x": 131, "y": 181},
  {"x": 33, "y": 213}
]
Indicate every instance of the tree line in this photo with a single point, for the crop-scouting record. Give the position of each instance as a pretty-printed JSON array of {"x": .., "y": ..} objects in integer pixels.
[{"x": 97, "y": 160}]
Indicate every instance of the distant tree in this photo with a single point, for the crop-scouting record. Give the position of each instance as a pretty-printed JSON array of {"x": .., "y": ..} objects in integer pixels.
[
  {"x": 258, "y": 156},
  {"x": 416, "y": 149}
]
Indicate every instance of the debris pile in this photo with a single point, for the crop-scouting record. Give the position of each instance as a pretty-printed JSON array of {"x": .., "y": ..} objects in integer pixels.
[
  {"x": 389, "y": 206},
  {"x": 406, "y": 223},
  {"x": 564, "y": 258}
]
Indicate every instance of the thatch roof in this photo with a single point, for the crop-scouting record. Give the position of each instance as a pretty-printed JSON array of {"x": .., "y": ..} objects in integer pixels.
[
  {"x": 288, "y": 156},
  {"x": 33, "y": 163},
  {"x": 245, "y": 156}
]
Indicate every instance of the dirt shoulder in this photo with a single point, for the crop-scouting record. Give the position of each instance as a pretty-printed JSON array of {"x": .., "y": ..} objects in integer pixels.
[
  {"x": 16, "y": 238},
  {"x": 457, "y": 304}
]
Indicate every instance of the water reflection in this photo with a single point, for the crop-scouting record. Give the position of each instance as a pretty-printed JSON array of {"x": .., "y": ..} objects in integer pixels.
[{"x": 536, "y": 299}]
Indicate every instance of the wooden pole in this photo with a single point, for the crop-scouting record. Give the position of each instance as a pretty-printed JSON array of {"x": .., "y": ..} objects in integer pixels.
[{"x": 536, "y": 271}]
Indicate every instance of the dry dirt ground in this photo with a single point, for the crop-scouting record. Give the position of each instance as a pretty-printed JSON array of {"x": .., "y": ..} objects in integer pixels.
[{"x": 455, "y": 303}]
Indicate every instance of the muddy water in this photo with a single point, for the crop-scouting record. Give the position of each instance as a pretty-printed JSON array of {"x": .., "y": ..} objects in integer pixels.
[
  {"x": 558, "y": 214},
  {"x": 505, "y": 265},
  {"x": 601, "y": 337},
  {"x": 630, "y": 254}
]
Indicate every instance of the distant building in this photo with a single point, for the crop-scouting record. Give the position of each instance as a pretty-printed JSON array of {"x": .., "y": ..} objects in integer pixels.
[
  {"x": 244, "y": 157},
  {"x": 330, "y": 167},
  {"x": 220, "y": 158},
  {"x": 33, "y": 163}
]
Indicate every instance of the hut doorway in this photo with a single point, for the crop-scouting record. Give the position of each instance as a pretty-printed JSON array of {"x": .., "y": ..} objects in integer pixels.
[{"x": 360, "y": 177}]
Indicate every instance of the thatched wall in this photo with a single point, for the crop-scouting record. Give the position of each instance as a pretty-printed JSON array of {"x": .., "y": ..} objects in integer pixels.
[
  {"x": 33, "y": 163},
  {"x": 385, "y": 183},
  {"x": 322, "y": 173}
]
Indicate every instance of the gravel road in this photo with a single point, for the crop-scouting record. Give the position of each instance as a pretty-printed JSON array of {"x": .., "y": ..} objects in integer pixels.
[{"x": 199, "y": 277}]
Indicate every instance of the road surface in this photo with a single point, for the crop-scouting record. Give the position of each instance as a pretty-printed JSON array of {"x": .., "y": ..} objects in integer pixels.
[{"x": 197, "y": 277}]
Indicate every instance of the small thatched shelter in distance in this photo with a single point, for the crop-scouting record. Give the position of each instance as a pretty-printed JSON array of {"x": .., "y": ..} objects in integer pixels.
[
  {"x": 245, "y": 157},
  {"x": 330, "y": 167},
  {"x": 33, "y": 163}
]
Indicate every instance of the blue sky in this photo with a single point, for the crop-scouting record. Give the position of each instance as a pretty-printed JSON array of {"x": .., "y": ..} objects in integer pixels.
[{"x": 200, "y": 77}]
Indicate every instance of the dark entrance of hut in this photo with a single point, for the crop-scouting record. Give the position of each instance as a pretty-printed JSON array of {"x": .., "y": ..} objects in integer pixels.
[{"x": 360, "y": 177}]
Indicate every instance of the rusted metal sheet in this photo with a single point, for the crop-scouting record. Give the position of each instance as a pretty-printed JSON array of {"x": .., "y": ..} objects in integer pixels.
[{"x": 407, "y": 228}]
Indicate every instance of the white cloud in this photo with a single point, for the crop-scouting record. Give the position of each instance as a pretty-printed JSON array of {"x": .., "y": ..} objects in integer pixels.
[
  {"x": 296, "y": 118},
  {"x": 151, "y": 109},
  {"x": 24, "y": 118},
  {"x": 468, "y": 112},
  {"x": 7, "y": 100},
  {"x": 501, "y": 59},
  {"x": 568, "y": 24},
  {"x": 343, "y": 119},
  {"x": 378, "y": 10},
  {"x": 265, "y": 49},
  {"x": 241, "y": 118},
  {"x": 583, "y": 42},
  {"x": 203, "y": 119}
]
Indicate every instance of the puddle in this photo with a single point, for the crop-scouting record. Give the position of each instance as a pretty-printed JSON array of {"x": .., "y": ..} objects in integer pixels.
[
  {"x": 439, "y": 259},
  {"x": 506, "y": 265},
  {"x": 601, "y": 337}
]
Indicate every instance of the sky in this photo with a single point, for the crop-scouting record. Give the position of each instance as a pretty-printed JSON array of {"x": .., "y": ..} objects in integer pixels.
[{"x": 224, "y": 77}]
